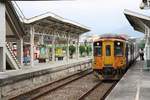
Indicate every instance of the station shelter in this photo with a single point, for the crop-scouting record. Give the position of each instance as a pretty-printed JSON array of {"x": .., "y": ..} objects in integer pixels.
[
  {"x": 42, "y": 38},
  {"x": 48, "y": 35},
  {"x": 141, "y": 23}
]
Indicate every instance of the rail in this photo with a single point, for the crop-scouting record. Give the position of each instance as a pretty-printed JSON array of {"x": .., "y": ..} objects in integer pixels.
[
  {"x": 108, "y": 91},
  {"x": 98, "y": 85},
  {"x": 89, "y": 91},
  {"x": 41, "y": 91}
]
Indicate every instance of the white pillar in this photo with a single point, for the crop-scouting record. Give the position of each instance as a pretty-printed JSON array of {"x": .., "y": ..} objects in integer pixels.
[
  {"x": 147, "y": 46},
  {"x": 53, "y": 49},
  {"x": 2, "y": 37},
  {"x": 77, "y": 48},
  {"x": 68, "y": 43},
  {"x": 32, "y": 46},
  {"x": 20, "y": 51},
  {"x": 42, "y": 39},
  {"x": 92, "y": 49}
]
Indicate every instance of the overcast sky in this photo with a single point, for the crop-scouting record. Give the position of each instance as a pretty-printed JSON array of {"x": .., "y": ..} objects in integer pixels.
[{"x": 102, "y": 16}]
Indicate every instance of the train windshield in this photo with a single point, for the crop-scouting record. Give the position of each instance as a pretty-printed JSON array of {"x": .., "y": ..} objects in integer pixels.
[
  {"x": 108, "y": 50},
  {"x": 98, "y": 48},
  {"x": 118, "y": 46}
]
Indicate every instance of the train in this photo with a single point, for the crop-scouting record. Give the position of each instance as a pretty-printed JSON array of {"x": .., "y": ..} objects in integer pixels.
[{"x": 113, "y": 54}]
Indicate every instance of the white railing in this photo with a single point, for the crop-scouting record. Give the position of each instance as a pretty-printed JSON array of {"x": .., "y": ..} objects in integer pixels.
[{"x": 13, "y": 56}]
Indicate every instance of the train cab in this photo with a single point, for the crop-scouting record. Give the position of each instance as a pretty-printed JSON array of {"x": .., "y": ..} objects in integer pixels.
[
  {"x": 109, "y": 55},
  {"x": 113, "y": 54}
]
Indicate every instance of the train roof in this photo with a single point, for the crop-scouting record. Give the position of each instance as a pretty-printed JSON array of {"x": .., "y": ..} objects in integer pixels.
[{"x": 113, "y": 36}]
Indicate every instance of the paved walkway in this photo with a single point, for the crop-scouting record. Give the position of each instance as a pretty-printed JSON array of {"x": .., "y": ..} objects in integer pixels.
[
  {"x": 135, "y": 84},
  {"x": 42, "y": 67},
  {"x": 56, "y": 63}
]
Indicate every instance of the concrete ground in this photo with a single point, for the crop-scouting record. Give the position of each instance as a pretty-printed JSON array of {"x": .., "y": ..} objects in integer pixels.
[
  {"x": 135, "y": 84},
  {"x": 51, "y": 64}
]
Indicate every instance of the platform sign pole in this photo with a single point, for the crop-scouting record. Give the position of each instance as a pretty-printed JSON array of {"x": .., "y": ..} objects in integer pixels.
[{"x": 2, "y": 37}]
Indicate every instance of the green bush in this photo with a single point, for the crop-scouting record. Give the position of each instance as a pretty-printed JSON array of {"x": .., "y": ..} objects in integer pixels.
[
  {"x": 141, "y": 44},
  {"x": 64, "y": 48},
  {"x": 82, "y": 49},
  {"x": 88, "y": 49},
  {"x": 72, "y": 50}
]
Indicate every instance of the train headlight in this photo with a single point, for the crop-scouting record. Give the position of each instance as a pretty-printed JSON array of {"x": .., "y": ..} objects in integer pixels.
[
  {"x": 118, "y": 43},
  {"x": 97, "y": 44}
]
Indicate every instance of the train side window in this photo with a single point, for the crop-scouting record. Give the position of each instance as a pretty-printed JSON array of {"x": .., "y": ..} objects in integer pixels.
[
  {"x": 97, "y": 51},
  {"x": 98, "y": 48},
  {"x": 108, "y": 50},
  {"x": 118, "y": 48}
]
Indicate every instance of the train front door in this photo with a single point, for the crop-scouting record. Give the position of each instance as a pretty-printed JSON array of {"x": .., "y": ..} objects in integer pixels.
[{"x": 108, "y": 53}]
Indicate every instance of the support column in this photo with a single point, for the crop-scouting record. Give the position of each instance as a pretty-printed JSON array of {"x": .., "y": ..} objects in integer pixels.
[
  {"x": 32, "y": 46},
  {"x": 147, "y": 46},
  {"x": 2, "y": 37},
  {"x": 77, "y": 48},
  {"x": 20, "y": 51},
  {"x": 68, "y": 43},
  {"x": 92, "y": 49},
  {"x": 53, "y": 49},
  {"x": 42, "y": 39}
]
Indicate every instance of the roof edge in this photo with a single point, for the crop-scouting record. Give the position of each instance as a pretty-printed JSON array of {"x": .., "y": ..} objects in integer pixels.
[
  {"x": 49, "y": 14},
  {"x": 132, "y": 13}
]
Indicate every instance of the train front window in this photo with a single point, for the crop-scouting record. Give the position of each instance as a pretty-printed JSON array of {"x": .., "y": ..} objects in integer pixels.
[
  {"x": 118, "y": 48},
  {"x": 97, "y": 48},
  {"x": 108, "y": 50}
]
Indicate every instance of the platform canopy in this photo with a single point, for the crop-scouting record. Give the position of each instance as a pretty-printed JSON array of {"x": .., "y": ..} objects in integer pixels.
[
  {"x": 141, "y": 23},
  {"x": 137, "y": 20},
  {"x": 50, "y": 23}
]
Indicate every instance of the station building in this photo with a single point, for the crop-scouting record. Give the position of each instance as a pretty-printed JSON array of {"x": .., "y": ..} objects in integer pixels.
[
  {"x": 141, "y": 23},
  {"x": 42, "y": 38}
]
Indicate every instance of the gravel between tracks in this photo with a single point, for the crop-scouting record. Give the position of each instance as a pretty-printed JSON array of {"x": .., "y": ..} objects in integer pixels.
[
  {"x": 98, "y": 92},
  {"x": 73, "y": 90}
]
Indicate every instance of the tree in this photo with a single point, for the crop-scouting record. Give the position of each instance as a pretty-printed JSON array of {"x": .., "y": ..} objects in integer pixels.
[
  {"x": 141, "y": 44},
  {"x": 88, "y": 49},
  {"x": 72, "y": 50},
  {"x": 81, "y": 49}
]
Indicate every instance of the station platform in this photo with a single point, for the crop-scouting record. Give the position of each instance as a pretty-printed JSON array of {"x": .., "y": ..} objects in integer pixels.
[
  {"x": 53, "y": 64},
  {"x": 42, "y": 67},
  {"x": 134, "y": 85},
  {"x": 16, "y": 82}
]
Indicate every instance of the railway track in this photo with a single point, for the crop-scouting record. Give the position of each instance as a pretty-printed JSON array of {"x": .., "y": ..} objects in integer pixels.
[
  {"x": 72, "y": 90},
  {"x": 39, "y": 92},
  {"x": 80, "y": 86},
  {"x": 82, "y": 89},
  {"x": 99, "y": 91},
  {"x": 89, "y": 91}
]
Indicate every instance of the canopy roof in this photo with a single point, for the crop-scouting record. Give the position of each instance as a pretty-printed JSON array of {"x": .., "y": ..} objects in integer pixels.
[
  {"x": 138, "y": 21},
  {"x": 52, "y": 21}
]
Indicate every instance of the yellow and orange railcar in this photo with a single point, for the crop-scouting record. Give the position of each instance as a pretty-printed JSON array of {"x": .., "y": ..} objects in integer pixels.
[{"x": 112, "y": 55}]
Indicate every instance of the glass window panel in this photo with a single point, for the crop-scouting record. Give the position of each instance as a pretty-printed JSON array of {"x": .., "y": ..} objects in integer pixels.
[
  {"x": 118, "y": 48},
  {"x": 108, "y": 50},
  {"x": 98, "y": 48}
]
